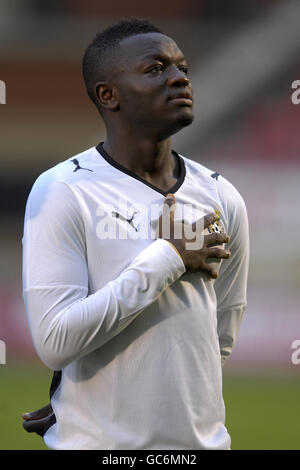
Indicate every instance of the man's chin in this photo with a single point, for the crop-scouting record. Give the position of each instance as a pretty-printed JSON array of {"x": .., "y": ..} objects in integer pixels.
[
  {"x": 171, "y": 128},
  {"x": 187, "y": 120},
  {"x": 183, "y": 121}
]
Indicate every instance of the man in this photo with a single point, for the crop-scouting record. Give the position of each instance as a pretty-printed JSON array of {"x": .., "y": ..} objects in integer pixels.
[{"x": 137, "y": 326}]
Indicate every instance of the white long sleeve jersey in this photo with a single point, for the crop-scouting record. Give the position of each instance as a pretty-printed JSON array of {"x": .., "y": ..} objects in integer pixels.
[{"x": 140, "y": 341}]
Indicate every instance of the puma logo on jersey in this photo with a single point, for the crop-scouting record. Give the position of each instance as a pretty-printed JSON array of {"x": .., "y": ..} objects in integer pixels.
[
  {"x": 121, "y": 217},
  {"x": 215, "y": 176},
  {"x": 78, "y": 167}
]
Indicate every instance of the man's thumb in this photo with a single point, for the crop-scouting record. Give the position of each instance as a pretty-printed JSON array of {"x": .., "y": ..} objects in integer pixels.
[{"x": 170, "y": 201}]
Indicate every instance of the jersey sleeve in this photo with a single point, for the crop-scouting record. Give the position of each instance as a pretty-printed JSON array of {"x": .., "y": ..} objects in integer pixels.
[
  {"x": 66, "y": 322},
  {"x": 231, "y": 285}
]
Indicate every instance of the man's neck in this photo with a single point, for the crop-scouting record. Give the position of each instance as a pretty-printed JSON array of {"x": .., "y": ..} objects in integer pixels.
[{"x": 152, "y": 161}]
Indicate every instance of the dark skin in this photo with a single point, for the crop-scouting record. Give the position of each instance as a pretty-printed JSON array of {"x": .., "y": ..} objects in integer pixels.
[
  {"x": 139, "y": 116},
  {"x": 146, "y": 98}
]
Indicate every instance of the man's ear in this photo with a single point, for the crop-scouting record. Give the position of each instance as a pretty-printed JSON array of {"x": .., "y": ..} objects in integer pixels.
[{"x": 107, "y": 96}]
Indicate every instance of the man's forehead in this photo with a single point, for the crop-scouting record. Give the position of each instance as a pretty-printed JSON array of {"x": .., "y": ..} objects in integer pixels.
[{"x": 143, "y": 46}]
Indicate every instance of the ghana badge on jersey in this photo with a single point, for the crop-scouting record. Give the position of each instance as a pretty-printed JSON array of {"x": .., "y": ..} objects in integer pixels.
[{"x": 216, "y": 227}]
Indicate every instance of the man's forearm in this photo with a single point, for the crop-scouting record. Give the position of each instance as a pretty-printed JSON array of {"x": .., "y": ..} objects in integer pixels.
[{"x": 64, "y": 334}]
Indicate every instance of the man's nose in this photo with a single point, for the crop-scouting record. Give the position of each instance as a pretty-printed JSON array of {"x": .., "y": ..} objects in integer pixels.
[{"x": 177, "y": 78}]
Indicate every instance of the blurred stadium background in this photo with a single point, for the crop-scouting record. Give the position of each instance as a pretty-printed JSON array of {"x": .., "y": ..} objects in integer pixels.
[{"x": 244, "y": 56}]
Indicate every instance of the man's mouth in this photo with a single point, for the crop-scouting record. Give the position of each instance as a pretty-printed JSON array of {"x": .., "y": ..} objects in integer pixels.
[{"x": 182, "y": 99}]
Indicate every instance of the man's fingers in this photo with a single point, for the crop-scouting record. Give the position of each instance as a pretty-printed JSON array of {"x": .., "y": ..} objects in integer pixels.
[
  {"x": 213, "y": 274},
  {"x": 38, "y": 414},
  {"x": 216, "y": 238},
  {"x": 218, "y": 253},
  {"x": 210, "y": 219},
  {"x": 38, "y": 425},
  {"x": 205, "y": 222},
  {"x": 207, "y": 269},
  {"x": 204, "y": 267}
]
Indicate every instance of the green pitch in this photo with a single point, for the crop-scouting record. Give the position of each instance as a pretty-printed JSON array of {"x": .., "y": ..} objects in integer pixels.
[{"x": 262, "y": 412}]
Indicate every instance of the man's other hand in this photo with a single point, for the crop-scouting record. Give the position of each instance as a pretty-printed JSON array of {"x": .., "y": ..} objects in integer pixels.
[{"x": 37, "y": 421}]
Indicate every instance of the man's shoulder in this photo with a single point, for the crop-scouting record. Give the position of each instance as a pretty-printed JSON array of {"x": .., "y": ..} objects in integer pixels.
[
  {"x": 58, "y": 184},
  {"x": 67, "y": 172},
  {"x": 213, "y": 176},
  {"x": 54, "y": 191},
  {"x": 227, "y": 192}
]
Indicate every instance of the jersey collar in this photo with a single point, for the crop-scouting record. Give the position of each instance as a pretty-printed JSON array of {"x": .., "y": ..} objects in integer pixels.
[{"x": 179, "y": 170}]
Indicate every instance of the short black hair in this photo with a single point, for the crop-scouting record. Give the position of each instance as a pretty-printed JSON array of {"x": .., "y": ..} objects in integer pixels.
[{"x": 100, "y": 50}]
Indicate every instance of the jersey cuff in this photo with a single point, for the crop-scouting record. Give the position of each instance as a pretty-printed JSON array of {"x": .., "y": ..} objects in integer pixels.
[
  {"x": 174, "y": 247},
  {"x": 172, "y": 250}
]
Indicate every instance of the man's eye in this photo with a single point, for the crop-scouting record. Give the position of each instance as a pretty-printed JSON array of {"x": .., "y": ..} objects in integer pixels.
[
  {"x": 157, "y": 68},
  {"x": 184, "y": 70}
]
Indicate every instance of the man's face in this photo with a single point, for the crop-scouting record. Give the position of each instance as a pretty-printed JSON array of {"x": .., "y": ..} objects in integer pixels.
[{"x": 155, "y": 95}]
